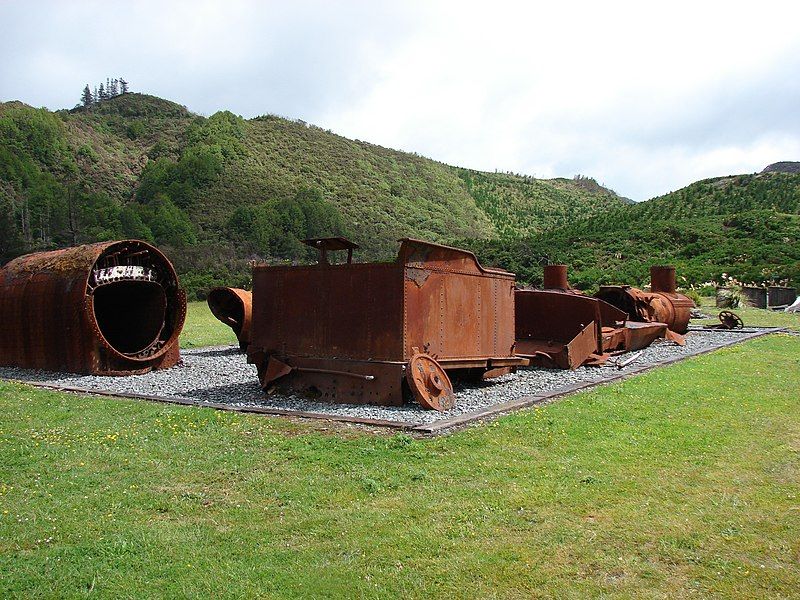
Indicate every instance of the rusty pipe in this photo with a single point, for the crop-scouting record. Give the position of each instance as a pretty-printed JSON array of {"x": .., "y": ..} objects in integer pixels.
[
  {"x": 662, "y": 279},
  {"x": 333, "y": 372}
]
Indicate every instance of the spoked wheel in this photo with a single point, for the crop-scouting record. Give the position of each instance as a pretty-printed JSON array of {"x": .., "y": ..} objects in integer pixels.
[
  {"x": 730, "y": 320},
  {"x": 429, "y": 383}
]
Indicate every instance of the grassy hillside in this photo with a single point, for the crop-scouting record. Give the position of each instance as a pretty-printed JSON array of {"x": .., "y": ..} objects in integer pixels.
[
  {"x": 381, "y": 194},
  {"x": 747, "y": 226},
  {"x": 520, "y": 206},
  {"x": 217, "y": 191}
]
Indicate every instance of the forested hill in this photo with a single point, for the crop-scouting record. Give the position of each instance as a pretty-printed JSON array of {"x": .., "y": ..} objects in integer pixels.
[
  {"x": 218, "y": 191},
  {"x": 746, "y": 226}
]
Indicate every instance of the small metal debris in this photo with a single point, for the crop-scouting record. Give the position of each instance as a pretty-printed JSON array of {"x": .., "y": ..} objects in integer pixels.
[
  {"x": 727, "y": 320},
  {"x": 629, "y": 360}
]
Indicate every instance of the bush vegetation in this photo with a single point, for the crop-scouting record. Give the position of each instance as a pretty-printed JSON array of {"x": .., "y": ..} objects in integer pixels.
[{"x": 745, "y": 226}]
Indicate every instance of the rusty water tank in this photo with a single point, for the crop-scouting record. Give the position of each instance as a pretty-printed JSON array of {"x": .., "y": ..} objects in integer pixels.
[
  {"x": 353, "y": 332},
  {"x": 111, "y": 308}
]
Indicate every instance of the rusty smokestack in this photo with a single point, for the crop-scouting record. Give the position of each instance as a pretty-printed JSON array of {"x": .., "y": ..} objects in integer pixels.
[
  {"x": 555, "y": 277},
  {"x": 662, "y": 279}
]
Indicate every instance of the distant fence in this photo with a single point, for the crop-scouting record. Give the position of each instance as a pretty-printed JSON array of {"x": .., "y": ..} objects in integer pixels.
[
  {"x": 780, "y": 296},
  {"x": 762, "y": 297},
  {"x": 756, "y": 296}
]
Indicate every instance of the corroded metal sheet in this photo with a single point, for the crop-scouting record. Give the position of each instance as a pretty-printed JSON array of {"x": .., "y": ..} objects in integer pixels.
[
  {"x": 632, "y": 336},
  {"x": 234, "y": 307},
  {"x": 460, "y": 310},
  {"x": 557, "y": 329},
  {"x": 432, "y": 299},
  {"x": 569, "y": 354},
  {"x": 108, "y": 308}
]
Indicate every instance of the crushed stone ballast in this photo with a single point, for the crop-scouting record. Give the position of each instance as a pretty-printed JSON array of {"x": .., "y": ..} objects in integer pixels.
[{"x": 219, "y": 377}]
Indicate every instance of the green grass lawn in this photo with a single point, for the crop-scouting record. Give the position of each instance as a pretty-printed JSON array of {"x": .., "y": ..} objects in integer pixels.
[
  {"x": 203, "y": 329},
  {"x": 683, "y": 481},
  {"x": 755, "y": 317}
]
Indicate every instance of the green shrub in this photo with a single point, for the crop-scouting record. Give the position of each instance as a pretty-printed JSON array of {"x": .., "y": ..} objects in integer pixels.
[
  {"x": 693, "y": 295},
  {"x": 135, "y": 130},
  {"x": 707, "y": 291},
  {"x": 87, "y": 152},
  {"x": 731, "y": 297},
  {"x": 198, "y": 283}
]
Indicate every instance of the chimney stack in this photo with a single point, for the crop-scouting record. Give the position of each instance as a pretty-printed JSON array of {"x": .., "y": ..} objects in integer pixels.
[
  {"x": 662, "y": 279},
  {"x": 555, "y": 277}
]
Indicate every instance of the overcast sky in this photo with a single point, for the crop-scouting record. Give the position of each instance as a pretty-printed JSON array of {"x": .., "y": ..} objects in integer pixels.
[{"x": 646, "y": 97}]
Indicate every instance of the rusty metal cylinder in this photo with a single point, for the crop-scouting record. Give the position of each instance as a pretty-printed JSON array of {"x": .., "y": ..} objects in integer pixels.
[
  {"x": 662, "y": 279},
  {"x": 555, "y": 277},
  {"x": 112, "y": 308},
  {"x": 234, "y": 307}
]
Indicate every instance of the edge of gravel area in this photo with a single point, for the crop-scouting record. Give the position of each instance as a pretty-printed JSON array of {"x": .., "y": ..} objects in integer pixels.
[
  {"x": 446, "y": 426},
  {"x": 280, "y": 412},
  {"x": 441, "y": 427}
]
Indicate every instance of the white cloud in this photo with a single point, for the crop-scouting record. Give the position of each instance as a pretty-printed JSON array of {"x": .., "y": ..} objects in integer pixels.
[{"x": 644, "y": 97}]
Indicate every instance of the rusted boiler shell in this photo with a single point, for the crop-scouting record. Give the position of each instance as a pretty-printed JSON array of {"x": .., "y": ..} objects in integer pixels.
[
  {"x": 662, "y": 304},
  {"x": 111, "y": 308},
  {"x": 234, "y": 307}
]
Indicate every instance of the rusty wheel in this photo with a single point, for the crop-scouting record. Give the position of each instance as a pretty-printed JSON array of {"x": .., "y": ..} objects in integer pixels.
[
  {"x": 429, "y": 383},
  {"x": 730, "y": 320}
]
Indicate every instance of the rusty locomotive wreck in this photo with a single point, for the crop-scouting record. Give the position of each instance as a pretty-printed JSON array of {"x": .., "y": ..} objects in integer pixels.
[
  {"x": 345, "y": 332},
  {"x": 355, "y": 332},
  {"x": 111, "y": 308},
  {"x": 662, "y": 304},
  {"x": 560, "y": 327}
]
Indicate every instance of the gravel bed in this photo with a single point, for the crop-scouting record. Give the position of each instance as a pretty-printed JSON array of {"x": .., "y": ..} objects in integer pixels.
[{"x": 222, "y": 375}]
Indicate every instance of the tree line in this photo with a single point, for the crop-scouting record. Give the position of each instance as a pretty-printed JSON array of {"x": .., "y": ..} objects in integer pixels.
[{"x": 113, "y": 87}]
